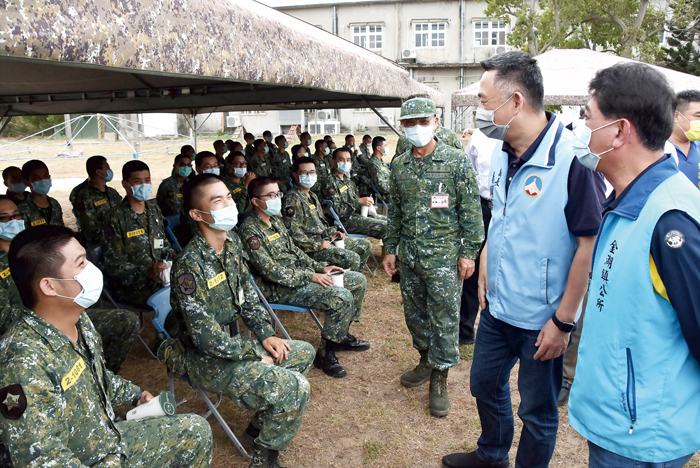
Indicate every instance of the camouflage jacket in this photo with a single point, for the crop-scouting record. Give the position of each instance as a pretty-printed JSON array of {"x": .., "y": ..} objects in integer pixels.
[
  {"x": 248, "y": 152},
  {"x": 132, "y": 244},
  {"x": 274, "y": 257},
  {"x": 261, "y": 167},
  {"x": 323, "y": 170},
  {"x": 434, "y": 236},
  {"x": 36, "y": 216},
  {"x": 304, "y": 218},
  {"x": 76, "y": 190},
  {"x": 445, "y": 135},
  {"x": 239, "y": 193},
  {"x": 211, "y": 290},
  {"x": 380, "y": 175},
  {"x": 343, "y": 194},
  {"x": 16, "y": 200},
  {"x": 169, "y": 196},
  {"x": 92, "y": 207},
  {"x": 57, "y": 397},
  {"x": 281, "y": 165},
  {"x": 11, "y": 305}
]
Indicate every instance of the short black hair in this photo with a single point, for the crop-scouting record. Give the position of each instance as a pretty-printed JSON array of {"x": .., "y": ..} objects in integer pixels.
[
  {"x": 31, "y": 166},
  {"x": 238, "y": 143},
  {"x": 328, "y": 137},
  {"x": 133, "y": 166},
  {"x": 94, "y": 164},
  {"x": 296, "y": 149},
  {"x": 245, "y": 137},
  {"x": 186, "y": 149},
  {"x": 191, "y": 192},
  {"x": 256, "y": 185},
  {"x": 35, "y": 254},
  {"x": 257, "y": 143},
  {"x": 299, "y": 161},
  {"x": 278, "y": 138},
  {"x": 228, "y": 141},
  {"x": 377, "y": 142},
  {"x": 233, "y": 154},
  {"x": 6, "y": 171},
  {"x": 347, "y": 137},
  {"x": 683, "y": 99},
  {"x": 267, "y": 132},
  {"x": 217, "y": 142},
  {"x": 366, "y": 136},
  {"x": 517, "y": 71},
  {"x": 640, "y": 94},
  {"x": 181, "y": 156},
  {"x": 319, "y": 143},
  {"x": 304, "y": 133},
  {"x": 201, "y": 155},
  {"x": 342, "y": 149}
]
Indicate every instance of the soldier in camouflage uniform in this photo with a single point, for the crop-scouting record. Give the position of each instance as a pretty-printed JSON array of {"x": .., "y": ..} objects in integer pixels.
[
  {"x": 38, "y": 208},
  {"x": 135, "y": 243},
  {"x": 292, "y": 277},
  {"x": 322, "y": 159},
  {"x": 94, "y": 201},
  {"x": 16, "y": 190},
  {"x": 261, "y": 161},
  {"x": 341, "y": 190},
  {"x": 211, "y": 290},
  {"x": 303, "y": 216},
  {"x": 378, "y": 170},
  {"x": 11, "y": 223},
  {"x": 249, "y": 150},
  {"x": 237, "y": 181},
  {"x": 57, "y": 398},
  {"x": 281, "y": 160},
  {"x": 435, "y": 230},
  {"x": 305, "y": 141},
  {"x": 169, "y": 195}
]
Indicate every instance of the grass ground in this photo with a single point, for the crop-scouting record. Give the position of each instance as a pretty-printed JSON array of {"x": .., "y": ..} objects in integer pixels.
[{"x": 364, "y": 420}]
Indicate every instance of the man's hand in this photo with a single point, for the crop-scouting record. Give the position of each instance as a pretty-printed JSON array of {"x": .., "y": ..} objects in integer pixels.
[
  {"x": 322, "y": 279},
  {"x": 155, "y": 270},
  {"x": 325, "y": 245},
  {"x": 145, "y": 398},
  {"x": 366, "y": 201},
  {"x": 466, "y": 268},
  {"x": 469, "y": 131},
  {"x": 551, "y": 342},
  {"x": 268, "y": 360},
  {"x": 389, "y": 264},
  {"x": 248, "y": 177},
  {"x": 338, "y": 235},
  {"x": 278, "y": 348},
  {"x": 331, "y": 268}
]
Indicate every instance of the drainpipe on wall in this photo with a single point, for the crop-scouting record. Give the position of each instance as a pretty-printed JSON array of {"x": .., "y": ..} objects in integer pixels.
[
  {"x": 335, "y": 20},
  {"x": 461, "y": 59}
]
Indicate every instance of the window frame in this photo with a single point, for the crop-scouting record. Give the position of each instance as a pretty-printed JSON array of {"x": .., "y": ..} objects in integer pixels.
[
  {"x": 367, "y": 36},
  {"x": 490, "y": 31},
  {"x": 429, "y": 31}
]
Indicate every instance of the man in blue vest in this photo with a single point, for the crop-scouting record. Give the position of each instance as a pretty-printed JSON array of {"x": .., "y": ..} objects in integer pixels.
[
  {"x": 636, "y": 397},
  {"x": 686, "y": 134},
  {"x": 545, "y": 214}
]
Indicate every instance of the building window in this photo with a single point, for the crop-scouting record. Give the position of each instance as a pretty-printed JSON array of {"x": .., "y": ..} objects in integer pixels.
[
  {"x": 253, "y": 112},
  {"x": 368, "y": 36},
  {"x": 490, "y": 33},
  {"x": 429, "y": 34}
]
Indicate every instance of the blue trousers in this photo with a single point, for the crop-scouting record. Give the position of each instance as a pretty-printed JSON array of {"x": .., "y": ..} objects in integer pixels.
[
  {"x": 498, "y": 347},
  {"x": 598, "y": 457}
]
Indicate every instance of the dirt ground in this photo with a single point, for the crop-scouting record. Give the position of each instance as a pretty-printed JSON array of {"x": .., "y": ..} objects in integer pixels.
[{"x": 366, "y": 419}]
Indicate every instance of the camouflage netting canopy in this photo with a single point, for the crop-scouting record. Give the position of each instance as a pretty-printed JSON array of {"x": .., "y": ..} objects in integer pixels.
[
  {"x": 63, "y": 56},
  {"x": 566, "y": 74}
]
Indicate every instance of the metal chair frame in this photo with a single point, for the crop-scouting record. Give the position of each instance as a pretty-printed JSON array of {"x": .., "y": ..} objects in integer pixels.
[{"x": 336, "y": 219}]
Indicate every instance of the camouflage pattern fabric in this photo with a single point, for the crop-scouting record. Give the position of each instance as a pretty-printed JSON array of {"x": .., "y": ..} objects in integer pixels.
[
  {"x": 119, "y": 329},
  {"x": 380, "y": 176},
  {"x": 239, "y": 193},
  {"x": 76, "y": 190},
  {"x": 17, "y": 200},
  {"x": 445, "y": 135},
  {"x": 287, "y": 271},
  {"x": 92, "y": 207},
  {"x": 212, "y": 291},
  {"x": 261, "y": 167},
  {"x": 248, "y": 152},
  {"x": 11, "y": 305},
  {"x": 132, "y": 244},
  {"x": 281, "y": 165},
  {"x": 346, "y": 203},
  {"x": 429, "y": 241},
  {"x": 323, "y": 170},
  {"x": 359, "y": 173},
  {"x": 57, "y": 402},
  {"x": 34, "y": 215},
  {"x": 170, "y": 199},
  {"x": 304, "y": 218}
]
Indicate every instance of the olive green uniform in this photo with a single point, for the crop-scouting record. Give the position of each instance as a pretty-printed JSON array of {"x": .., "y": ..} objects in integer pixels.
[
  {"x": 380, "y": 176},
  {"x": 92, "y": 206},
  {"x": 261, "y": 167},
  {"x": 34, "y": 215},
  {"x": 346, "y": 203},
  {"x": 323, "y": 171},
  {"x": 10, "y": 302},
  {"x": 281, "y": 165},
  {"x": 169, "y": 197},
  {"x": 76, "y": 189}
]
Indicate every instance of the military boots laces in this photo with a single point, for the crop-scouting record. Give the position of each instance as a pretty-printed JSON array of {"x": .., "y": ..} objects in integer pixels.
[
  {"x": 439, "y": 400},
  {"x": 419, "y": 375}
]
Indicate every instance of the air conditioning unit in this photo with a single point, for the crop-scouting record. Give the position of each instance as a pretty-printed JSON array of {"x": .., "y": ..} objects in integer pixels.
[
  {"x": 233, "y": 121},
  {"x": 408, "y": 53},
  {"x": 503, "y": 48}
]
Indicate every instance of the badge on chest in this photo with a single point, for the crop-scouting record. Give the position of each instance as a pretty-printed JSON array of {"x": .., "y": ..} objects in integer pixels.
[
  {"x": 439, "y": 199},
  {"x": 158, "y": 243}
]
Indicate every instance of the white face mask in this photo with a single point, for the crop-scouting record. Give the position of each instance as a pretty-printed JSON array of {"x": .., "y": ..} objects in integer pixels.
[
  {"x": 91, "y": 281},
  {"x": 225, "y": 218},
  {"x": 213, "y": 170},
  {"x": 419, "y": 135}
]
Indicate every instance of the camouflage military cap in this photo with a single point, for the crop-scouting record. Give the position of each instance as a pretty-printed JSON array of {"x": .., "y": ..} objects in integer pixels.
[{"x": 417, "y": 108}]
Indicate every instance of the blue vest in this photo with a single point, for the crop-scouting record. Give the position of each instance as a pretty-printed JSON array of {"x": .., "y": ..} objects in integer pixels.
[
  {"x": 530, "y": 248},
  {"x": 637, "y": 388}
]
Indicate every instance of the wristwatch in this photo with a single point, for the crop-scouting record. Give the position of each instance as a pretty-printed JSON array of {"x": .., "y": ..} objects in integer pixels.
[{"x": 566, "y": 327}]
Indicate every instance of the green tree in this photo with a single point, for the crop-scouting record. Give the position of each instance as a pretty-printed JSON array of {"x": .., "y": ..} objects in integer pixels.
[
  {"x": 682, "y": 53},
  {"x": 30, "y": 124}
]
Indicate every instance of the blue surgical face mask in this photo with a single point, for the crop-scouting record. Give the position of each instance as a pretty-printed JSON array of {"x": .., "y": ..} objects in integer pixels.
[
  {"x": 345, "y": 167},
  {"x": 308, "y": 142},
  {"x": 308, "y": 181},
  {"x": 268, "y": 139},
  {"x": 369, "y": 145},
  {"x": 419, "y": 135},
  {"x": 109, "y": 176},
  {"x": 42, "y": 186},
  {"x": 213, "y": 170},
  {"x": 225, "y": 219},
  {"x": 266, "y": 150},
  {"x": 225, "y": 150},
  {"x": 141, "y": 192},
  {"x": 184, "y": 171},
  {"x": 273, "y": 207},
  {"x": 10, "y": 229},
  {"x": 580, "y": 142},
  {"x": 19, "y": 187},
  {"x": 240, "y": 171},
  {"x": 326, "y": 151},
  {"x": 386, "y": 151},
  {"x": 286, "y": 144}
]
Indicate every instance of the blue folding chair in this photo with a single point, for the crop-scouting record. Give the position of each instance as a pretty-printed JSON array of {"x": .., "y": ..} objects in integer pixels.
[
  {"x": 271, "y": 307},
  {"x": 160, "y": 301},
  {"x": 171, "y": 222},
  {"x": 380, "y": 200},
  {"x": 336, "y": 220}
]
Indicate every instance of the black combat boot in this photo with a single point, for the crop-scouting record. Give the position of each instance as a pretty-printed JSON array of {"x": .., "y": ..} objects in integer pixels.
[
  {"x": 251, "y": 433},
  {"x": 264, "y": 458},
  {"x": 327, "y": 361},
  {"x": 350, "y": 343}
]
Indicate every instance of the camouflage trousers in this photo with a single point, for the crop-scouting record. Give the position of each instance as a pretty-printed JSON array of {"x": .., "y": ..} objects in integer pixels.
[
  {"x": 279, "y": 394},
  {"x": 182, "y": 441},
  {"x": 354, "y": 256},
  {"x": 340, "y": 305},
  {"x": 119, "y": 329},
  {"x": 431, "y": 300},
  {"x": 372, "y": 227}
]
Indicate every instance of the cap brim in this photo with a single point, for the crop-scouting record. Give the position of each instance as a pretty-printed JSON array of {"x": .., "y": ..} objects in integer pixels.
[{"x": 417, "y": 116}]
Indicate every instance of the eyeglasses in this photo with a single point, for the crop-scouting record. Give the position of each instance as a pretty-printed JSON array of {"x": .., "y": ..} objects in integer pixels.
[
  {"x": 413, "y": 122},
  {"x": 272, "y": 195},
  {"x": 210, "y": 166},
  {"x": 301, "y": 173},
  {"x": 240, "y": 165},
  {"x": 7, "y": 218}
]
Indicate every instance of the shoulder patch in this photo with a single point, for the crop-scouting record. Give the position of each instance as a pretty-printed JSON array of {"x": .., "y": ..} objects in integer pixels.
[
  {"x": 187, "y": 284},
  {"x": 254, "y": 243},
  {"x": 109, "y": 232},
  {"x": 289, "y": 211},
  {"x": 674, "y": 239},
  {"x": 13, "y": 401},
  {"x": 80, "y": 206},
  {"x": 171, "y": 194},
  {"x": 331, "y": 190}
]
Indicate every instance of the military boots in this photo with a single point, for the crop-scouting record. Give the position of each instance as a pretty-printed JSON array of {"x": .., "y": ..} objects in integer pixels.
[
  {"x": 419, "y": 375},
  {"x": 439, "y": 401},
  {"x": 264, "y": 458},
  {"x": 327, "y": 361}
]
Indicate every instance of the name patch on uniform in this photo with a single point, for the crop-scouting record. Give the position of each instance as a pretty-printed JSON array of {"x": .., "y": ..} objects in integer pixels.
[
  {"x": 236, "y": 190},
  {"x": 533, "y": 186},
  {"x": 38, "y": 222},
  {"x": 5, "y": 273},
  {"x": 440, "y": 200},
  {"x": 313, "y": 207},
  {"x": 343, "y": 188},
  {"x": 135, "y": 233},
  {"x": 274, "y": 237},
  {"x": 72, "y": 377},
  {"x": 179, "y": 195},
  {"x": 217, "y": 280},
  {"x": 158, "y": 243},
  {"x": 101, "y": 202}
]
